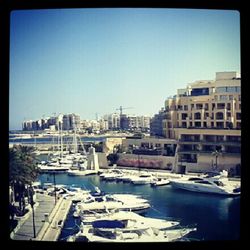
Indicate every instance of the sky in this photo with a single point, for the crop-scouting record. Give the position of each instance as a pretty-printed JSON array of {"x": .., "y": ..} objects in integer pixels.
[{"x": 92, "y": 61}]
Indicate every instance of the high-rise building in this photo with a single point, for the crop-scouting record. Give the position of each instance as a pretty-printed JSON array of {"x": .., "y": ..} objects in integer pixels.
[{"x": 205, "y": 118}]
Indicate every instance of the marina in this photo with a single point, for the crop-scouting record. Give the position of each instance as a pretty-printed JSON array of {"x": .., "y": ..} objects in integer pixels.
[
  {"x": 155, "y": 194},
  {"x": 166, "y": 202}
]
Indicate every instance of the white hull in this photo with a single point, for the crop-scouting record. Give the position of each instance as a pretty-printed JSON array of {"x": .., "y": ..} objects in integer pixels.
[
  {"x": 201, "y": 188},
  {"x": 134, "y": 235},
  {"x": 81, "y": 172}
]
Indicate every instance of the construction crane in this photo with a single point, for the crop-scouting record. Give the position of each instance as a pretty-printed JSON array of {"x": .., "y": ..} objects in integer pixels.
[{"x": 121, "y": 109}]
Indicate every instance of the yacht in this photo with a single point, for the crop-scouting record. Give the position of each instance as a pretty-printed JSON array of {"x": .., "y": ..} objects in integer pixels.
[
  {"x": 129, "y": 227},
  {"x": 111, "y": 175},
  {"x": 131, "y": 219},
  {"x": 143, "y": 178},
  {"x": 218, "y": 184},
  {"x": 102, "y": 203},
  {"x": 160, "y": 182}
]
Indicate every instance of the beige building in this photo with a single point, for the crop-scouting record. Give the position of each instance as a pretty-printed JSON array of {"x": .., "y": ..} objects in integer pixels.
[
  {"x": 148, "y": 152},
  {"x": 205, "y": 119}
]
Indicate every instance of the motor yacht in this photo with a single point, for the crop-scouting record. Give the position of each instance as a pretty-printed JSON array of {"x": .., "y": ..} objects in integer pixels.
[
  {"x": 218, "y": 184},
  {"x": 160, "y": 182}
]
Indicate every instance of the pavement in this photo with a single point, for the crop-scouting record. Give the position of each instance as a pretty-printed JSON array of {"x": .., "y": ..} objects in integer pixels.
[
  {"x": 52, "y": 228},
  {"x": 24, "y": 230}
]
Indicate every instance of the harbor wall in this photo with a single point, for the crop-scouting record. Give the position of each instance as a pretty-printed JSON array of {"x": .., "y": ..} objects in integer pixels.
[{"x": 146, "y": 161}]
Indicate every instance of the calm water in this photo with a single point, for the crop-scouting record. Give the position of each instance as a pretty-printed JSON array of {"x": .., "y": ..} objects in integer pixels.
[
  {"x": 48, "y": 140},
  {"x": 216, "y": 217}
]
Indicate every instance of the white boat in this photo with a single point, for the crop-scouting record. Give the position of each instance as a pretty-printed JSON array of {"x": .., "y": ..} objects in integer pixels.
[
  {"x": 83, "y": 172},
  {"x": 130, "y": 227},
  {"x": 111, "y": 175},
  {"x": 160, "y": 182},
  {"x": 217, "y": 185},
  {"x": 131, "y": 220},
  {"x": 143, "y": 178},
  {"x": 110, "y": 202},
  {"x": 125, "y": 178},
  {"x": 53, "y": 168}
]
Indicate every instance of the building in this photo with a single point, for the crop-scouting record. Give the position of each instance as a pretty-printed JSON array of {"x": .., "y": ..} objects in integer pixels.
[
  {"x": 205, "y": 119},
  {"x": 148, "y": 152},
  {"x": 71, "y": 122},
  {"x": 113, "y": 121},
  {"x": 66, "y": 122},
  {"x": 156, "y": 128}
]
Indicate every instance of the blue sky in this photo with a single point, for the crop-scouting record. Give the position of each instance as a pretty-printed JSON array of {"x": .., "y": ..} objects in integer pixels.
[{"x": 89, "y": 61}]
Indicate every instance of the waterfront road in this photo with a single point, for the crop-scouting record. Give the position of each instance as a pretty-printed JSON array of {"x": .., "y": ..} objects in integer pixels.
[{"x": 25, "y": 228}]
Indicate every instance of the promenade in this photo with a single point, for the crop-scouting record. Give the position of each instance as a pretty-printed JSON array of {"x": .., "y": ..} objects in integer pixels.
[{"x": 49, "y": 219}]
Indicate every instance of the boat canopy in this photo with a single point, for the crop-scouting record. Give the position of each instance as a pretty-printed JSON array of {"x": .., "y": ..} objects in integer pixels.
[{"x": 108, "y": 224}]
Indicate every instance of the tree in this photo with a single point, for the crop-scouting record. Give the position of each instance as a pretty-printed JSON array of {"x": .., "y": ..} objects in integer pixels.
[
  {"x": 22, "y": 172},
  {"x": 113, "y": 158}
]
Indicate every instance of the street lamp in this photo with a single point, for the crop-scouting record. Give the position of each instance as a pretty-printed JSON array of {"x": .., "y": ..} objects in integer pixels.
[
  {"x": 31, "y": 201},
  {"x": 216, "y": 153},
  {"x": 54, "y": 177}
]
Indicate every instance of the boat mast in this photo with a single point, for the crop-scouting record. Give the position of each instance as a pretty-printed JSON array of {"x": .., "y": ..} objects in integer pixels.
[{"x": 61, "y": 142}]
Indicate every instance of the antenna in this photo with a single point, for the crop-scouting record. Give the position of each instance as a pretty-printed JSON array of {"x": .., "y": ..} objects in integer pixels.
[{"x": 121, "y": 109}]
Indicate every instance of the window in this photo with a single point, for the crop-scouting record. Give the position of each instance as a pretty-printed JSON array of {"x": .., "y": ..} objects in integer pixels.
[
  {"x": 219, "y": 183},
  {"x": 197, "y": 116},
  {"x": 184, "y": 125},
  {"x": 219, "y": 124},
  {"x": 185, "y": 107},
  {"x": 219, "y": 116},
  {"x": 203, "y": 182},
  {"x": 184, "y": 116},
  {"x": 197, "y": 124},
  {"x": 221, "y": 89},
  {"x": 231, "y": 89},
  {"x": 231, "y": 97},
  {"x": 238, "y": 116},
  {"x": 206, "y": 115},
  {"x": 200, "y": 91},
  {"x": 220, "y": 105},
  {"x": 223, "y": 97}
]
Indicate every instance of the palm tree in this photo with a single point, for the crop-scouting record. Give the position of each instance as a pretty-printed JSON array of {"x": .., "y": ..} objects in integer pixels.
[
  {"x": 22, "y": 171},
  {"x": 216, "y": 153}
]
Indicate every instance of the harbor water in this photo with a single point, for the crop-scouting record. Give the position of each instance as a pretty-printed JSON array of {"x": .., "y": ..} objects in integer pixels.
[{"x": 216, "y": 217}]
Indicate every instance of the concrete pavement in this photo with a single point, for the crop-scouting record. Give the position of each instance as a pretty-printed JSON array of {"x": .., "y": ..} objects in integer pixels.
[{"x": 24, "y": 229}]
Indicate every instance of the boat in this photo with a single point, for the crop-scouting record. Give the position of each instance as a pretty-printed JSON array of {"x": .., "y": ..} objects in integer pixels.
[
  {"x": 49, "y": 168},
  {"x": 103, "y": 202},
  {"x": 130, "y": 218},
  {"x": 129, "y": 227},
  {"x": 218, "y": 184},
  {"x": 143, "y": 178},
  {"x": 160, "y": 182},
  {"x": 111, "y": 175}
]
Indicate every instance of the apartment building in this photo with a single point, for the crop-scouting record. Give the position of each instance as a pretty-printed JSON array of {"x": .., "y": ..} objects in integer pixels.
[{"x": 205, "y": 119}]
